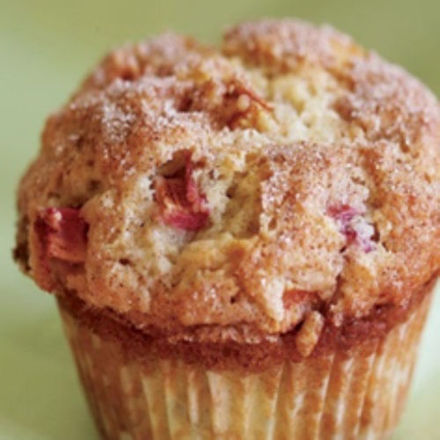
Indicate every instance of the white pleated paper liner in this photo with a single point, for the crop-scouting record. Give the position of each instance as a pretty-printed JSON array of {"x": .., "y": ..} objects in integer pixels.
[{"x": 332, "y": 397}]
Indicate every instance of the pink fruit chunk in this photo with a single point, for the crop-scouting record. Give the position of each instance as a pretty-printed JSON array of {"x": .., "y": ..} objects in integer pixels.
[
  {"x": 181, "y": 203},
  {"x": 353, "y": 225},
  {"x": 343, "y": 213},
  {"x": 63, "y": 234}
]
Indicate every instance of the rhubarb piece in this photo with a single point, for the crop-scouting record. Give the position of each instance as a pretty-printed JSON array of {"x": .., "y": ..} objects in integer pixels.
[
  {"x": 181, "y": 203},
  {"x": 62, "y": 234},
  {"x": 344, "y": 214},
  {"x": 355, "y": 228}
]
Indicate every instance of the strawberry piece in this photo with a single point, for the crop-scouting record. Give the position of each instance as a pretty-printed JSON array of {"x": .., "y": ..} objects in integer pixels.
[
  {"x": 181, "y": 203},
  {"x": 62, "y": 234}
]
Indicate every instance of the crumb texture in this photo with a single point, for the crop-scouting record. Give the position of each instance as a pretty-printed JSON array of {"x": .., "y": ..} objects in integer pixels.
[{"x": 288, "y": 178}]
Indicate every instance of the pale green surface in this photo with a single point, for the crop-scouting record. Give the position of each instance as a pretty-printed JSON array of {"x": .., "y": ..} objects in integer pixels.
[{"x": 45, "y": 48}]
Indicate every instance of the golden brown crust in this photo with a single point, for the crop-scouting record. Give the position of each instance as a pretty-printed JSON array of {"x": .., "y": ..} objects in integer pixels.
[
  {"x": 214, "y": 348},
  {"x": 315, "y": 183}
]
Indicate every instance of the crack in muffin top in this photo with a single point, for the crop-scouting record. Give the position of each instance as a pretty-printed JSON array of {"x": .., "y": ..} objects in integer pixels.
[{"x": 290, "y": 174}]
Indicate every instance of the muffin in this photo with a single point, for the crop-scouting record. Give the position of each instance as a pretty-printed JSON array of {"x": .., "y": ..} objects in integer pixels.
[{"x": 243, "y": 242}]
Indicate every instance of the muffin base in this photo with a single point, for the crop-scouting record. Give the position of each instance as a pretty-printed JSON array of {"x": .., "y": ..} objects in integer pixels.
[{"x": 355, "y": 394}]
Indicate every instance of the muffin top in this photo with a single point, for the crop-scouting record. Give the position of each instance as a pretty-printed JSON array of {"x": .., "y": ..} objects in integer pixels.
[{"x": 289, "y": 177}]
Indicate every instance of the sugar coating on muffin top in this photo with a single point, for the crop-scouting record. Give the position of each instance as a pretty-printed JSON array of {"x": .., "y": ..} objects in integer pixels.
[{"x": 290, "y": 176}]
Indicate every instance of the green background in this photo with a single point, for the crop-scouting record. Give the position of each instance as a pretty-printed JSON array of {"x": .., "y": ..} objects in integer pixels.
[{"x": 45, "y": 49}]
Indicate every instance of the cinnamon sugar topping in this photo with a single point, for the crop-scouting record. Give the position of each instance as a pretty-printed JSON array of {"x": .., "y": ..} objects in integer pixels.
[{"x": 309, "y": 165}]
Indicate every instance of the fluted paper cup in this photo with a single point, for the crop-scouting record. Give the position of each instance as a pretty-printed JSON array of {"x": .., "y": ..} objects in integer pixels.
[{"x": 357, "y": 394}]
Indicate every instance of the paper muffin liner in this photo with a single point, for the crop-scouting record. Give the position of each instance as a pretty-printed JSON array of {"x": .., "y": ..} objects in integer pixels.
[{"x": 354, "y": 395}]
